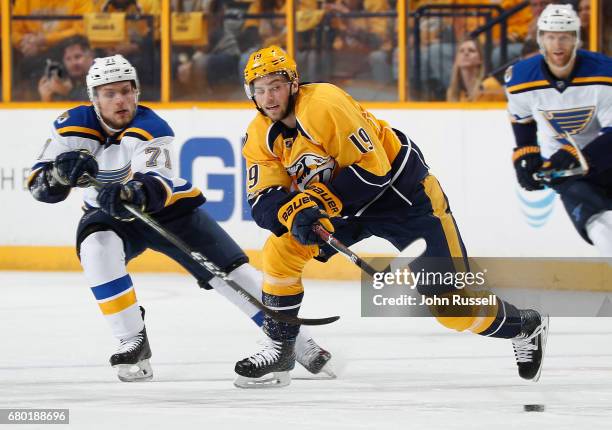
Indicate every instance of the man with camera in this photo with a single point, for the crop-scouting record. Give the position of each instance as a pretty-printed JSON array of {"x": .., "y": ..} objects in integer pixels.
[{"x": 66, "y": 80}]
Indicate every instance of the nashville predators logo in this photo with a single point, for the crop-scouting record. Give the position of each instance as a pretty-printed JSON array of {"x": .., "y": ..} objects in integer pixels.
[
  {"x": 310, "y": 168},
  {"x": 571, "y": 121}
]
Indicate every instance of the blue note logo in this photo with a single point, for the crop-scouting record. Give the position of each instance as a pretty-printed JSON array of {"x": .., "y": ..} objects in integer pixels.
[
  {"x": 537, "y": 206},
  {"x": 571, "y": 121}
]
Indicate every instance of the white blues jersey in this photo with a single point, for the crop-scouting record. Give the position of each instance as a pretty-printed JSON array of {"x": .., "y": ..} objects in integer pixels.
[
  {"x": 144, "y": 146},
  {"x": 580, "y": 105}
]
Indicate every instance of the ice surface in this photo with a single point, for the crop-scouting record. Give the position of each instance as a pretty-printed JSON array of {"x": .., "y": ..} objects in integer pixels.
[{"x": 394, "y": 373}]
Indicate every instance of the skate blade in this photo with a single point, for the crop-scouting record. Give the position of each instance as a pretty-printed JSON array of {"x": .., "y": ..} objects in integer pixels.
[
  {"x": 544, "y": 336},
  {"x": 271, "y": 380},
  {"x": 328, "y": 370},
  {"x": 138, "y": 372}
]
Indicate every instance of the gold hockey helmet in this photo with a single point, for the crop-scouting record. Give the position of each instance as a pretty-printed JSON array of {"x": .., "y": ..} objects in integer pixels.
[{"x": 265, "y": 61}]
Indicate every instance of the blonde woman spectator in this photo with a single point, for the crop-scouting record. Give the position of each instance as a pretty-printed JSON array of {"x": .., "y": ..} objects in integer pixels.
[
  {"x": 492, "y": 87},
  {"x": 467, "y": 73}
]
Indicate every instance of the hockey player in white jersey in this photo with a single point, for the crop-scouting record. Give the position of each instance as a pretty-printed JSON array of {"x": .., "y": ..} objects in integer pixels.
[
  {"x": 127, "y": 147},
  {"x": 560, "y": 98}
]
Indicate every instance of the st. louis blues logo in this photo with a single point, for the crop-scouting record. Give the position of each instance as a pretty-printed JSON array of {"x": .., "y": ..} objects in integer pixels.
[{"x": 571, "y": 121}]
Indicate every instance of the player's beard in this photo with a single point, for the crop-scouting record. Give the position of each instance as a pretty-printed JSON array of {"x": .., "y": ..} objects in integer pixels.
[
  {"x": 288, "y": 109},
  {"x": 120, "y": 123},
  {"x": 284, "y": 113},
  {"x": 563, "y": 62}
]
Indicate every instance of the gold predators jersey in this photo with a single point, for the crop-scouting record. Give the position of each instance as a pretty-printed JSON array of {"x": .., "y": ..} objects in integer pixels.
[{"x": 336, "y": 142}]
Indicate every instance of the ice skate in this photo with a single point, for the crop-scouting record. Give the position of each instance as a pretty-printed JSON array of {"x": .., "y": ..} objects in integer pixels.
[
  {"x": 132, "y": 358},
  {"x": 529, "y": 346},
  {"x": 314, "y": 358},
  {"x": 269, "y": 367}
]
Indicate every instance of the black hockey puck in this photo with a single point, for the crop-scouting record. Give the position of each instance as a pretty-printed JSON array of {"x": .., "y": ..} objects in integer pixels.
[{"x": 534, "y": 408}]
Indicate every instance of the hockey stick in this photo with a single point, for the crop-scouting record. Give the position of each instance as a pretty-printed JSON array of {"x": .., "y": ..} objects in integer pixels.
[
  {"x": 213, "y": 268},
  {"x": 343, "y": 249},
  {"x": 399, "y": 262},
  {"x": 581, "y": 170}
]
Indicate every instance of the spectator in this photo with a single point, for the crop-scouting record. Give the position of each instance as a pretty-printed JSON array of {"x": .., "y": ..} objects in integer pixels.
[
  {"x": 467, "y": 73},
  {"x": 141, "y": 47},
  {"x": 182, "y": 52},
  {"x": 33, "y": 37},
  {"x": 66, "y": 81},
  {"x": 260, "y": 32},
  {"x": 34, "y": 40},
  {"x": 492, "y": 87},
  {"x": 606, "y": 16},
  {"x": 214, "y": 64},
  {"x": 536, "y": 7},
  {"x": 363, "y": 38},
  {"x": 584, "y": 12},
  {"x": 138, "y": 30}
]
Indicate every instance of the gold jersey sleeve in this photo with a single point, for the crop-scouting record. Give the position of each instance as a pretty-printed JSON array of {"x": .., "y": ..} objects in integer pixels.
[{"x": 264, "y": 168}]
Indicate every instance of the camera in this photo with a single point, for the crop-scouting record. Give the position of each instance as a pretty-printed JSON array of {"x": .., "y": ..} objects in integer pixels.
[{"x": 53, "y": 68}]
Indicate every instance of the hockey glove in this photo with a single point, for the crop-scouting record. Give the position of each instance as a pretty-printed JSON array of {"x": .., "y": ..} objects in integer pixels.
[
  {"x": 299, "y": 215},
  {"x": 69, "y": 168},
  {"x": 324, "y": 198},
  {"x": 564, "y": 159},
  {"x": 527, "y": 161},
  {"x": 111, "y": 198}
]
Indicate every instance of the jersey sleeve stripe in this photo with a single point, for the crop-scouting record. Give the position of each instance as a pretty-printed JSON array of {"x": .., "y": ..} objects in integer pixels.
[
  {"x": 605, "y": 80},
  {"x": 528, "y": 86},
  {"x": 136, "y": 132},
  {"x": 34, "y": 171},
  {"x": 193, "y": 192},
  {"x": 167, "y": 189},
  {"x": 74, "y": 130},
  {"x": 271, "y": 135}
]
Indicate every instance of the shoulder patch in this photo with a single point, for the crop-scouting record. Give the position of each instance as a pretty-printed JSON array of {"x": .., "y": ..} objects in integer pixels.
[
  {"x": 508, "y": 74},
  {"x": 63, "y": 117},
  {"x": 80, "y": 121}
]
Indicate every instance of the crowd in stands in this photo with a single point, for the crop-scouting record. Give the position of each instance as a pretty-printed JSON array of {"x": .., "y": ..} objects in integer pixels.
[{"x": 353, "y": 43}]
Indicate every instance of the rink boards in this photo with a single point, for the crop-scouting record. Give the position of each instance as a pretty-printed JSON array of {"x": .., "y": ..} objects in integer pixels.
[{"x": 468, "y": 150}]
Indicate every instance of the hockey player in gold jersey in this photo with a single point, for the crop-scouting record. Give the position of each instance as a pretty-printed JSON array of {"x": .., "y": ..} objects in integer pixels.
[{"x": 316, "y": 156}]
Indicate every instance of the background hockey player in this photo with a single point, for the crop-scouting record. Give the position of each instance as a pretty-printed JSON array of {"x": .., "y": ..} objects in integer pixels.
[
  {"x": 127, "y": 147},
  {"x": 566, "y": 90},
  {"x": 315, "y": 156}
]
